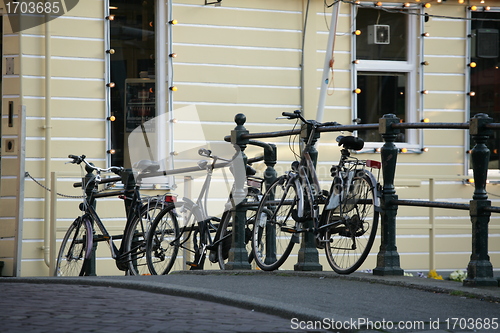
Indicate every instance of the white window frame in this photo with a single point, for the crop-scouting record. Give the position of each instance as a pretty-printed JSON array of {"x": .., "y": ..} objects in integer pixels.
[{"x": 410, "y": 67}]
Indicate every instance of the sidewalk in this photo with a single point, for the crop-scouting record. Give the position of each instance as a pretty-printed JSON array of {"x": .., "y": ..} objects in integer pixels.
[{"x": 246, "y": 301}]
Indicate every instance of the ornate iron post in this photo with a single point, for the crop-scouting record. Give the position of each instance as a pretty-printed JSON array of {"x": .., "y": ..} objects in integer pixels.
[
  {"x": 388, "y": 256},
  {"x": 238, "y": 256},
  {"x": 308, "y": 256},
  {"x": 480, "y": 270},
  {"x": 90, "y": 191}
]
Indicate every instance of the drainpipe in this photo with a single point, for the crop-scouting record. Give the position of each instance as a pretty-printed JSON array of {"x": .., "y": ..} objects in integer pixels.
[
  {"x": 328, "y": 62},
  {"x": 48, "y": 148}
]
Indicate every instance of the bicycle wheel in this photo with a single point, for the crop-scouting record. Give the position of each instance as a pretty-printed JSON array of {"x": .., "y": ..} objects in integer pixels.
[
  {"x": 75, "y": 250},
  {"x": 273, "y": 237},
  {"x": 162, "y": 242},
  {"x": 354, "y": 226},
  {"x": 225, "y": 235},
  {"x": 134, "y": 247}
]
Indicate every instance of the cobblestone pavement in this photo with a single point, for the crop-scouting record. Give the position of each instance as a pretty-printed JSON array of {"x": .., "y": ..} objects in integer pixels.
[
  {"x": 256, "y": 301},
  {"x": 78, "y": 308}
]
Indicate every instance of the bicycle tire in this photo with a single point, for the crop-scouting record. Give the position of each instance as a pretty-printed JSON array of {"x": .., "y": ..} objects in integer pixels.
[
  {"x": 134, "y": 247},
  {"x": 162, "y": 242},
  {"x": 225, "y": 234},
  {"x": 74, "y": 253},
  {"x": 359, "y": 213},
  {"x": 271, "y": 243}
]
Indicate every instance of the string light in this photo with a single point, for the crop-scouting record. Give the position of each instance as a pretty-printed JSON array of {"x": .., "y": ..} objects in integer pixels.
[
  {"x": 111, "y": 118},
  {"x": 471, "y": 93},
  {"x": 357, "y": 32},
  {"x": 425, "y": 92},
  {"x": 472, "y": 64},
  {"x": 111, "y": 85},
  {"x": 425, "y": 120},
  {"x": 357, "y": 91}
]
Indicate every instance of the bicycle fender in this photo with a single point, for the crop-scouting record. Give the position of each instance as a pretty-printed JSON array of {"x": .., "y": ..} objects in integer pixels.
[{"x": 376, "y": 192}]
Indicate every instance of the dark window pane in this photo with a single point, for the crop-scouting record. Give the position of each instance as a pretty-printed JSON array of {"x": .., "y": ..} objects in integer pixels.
[
  {"x": 485, "y": 77},
  {"x": 132, "y": 37},
  {"x": 381, "y": 93},
  {"x": 383, "y": 35}
]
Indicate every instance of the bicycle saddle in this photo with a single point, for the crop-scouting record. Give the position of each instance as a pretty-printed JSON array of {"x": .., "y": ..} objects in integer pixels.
[
  {"x": 146, "y": 166},
  {"x": 350, "y": 142}
]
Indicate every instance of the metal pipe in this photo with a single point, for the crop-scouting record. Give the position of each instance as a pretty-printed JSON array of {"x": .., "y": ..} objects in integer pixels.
[
  {"x": 436, "y": 204},
  {"x": 48, "y": 137},
  {"x": 329, "y": 60},
  {"x": 53, "y": 223},
  {"x": 432, "y": 228}
]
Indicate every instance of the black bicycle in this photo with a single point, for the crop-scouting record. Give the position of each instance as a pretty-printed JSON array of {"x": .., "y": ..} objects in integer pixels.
[
  {"x": 347, "y": 224},
  {"x": 77, "y": 253}
]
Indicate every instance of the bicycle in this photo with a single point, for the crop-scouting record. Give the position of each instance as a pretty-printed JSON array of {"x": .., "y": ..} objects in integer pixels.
[
  {"x": 347, "y": 225},
  {"x": 208, "y": 233},
  {"x": 78, "y": 246}
]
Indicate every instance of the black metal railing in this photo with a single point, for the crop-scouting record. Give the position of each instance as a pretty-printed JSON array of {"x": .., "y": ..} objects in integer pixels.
[{"x": 480, "y": 269}]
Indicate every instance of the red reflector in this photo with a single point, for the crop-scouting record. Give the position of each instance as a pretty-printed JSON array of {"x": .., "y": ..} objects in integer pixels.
[
  {"x": 170, "y": 198},
  {"x": 373, "y": 164}
]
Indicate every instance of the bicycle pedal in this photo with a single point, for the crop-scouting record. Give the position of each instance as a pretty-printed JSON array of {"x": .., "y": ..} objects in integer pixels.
[
  {"x": 192, "y": 264},
  {"x": 290, "y": 230}
]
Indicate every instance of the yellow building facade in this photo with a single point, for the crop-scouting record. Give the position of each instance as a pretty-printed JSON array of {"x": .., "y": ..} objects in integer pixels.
[{"x": 64, "y": 80}]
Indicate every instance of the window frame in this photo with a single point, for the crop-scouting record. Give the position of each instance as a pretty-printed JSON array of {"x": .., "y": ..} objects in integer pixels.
[{"x": 413, "y": 105}]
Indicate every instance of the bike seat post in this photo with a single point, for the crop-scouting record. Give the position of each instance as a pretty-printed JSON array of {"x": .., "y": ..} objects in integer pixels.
[{"x": 308, "y": 257}]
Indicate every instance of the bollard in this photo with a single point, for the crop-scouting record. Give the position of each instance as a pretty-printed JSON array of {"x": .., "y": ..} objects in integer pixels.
[
  {"x": 89, "y": 266},
  {"x": 308, "y": 256},
  {"x": 480, "y": 269},
  {"x": 270, "y": 158},
  {"x": 388, "y": 257},
  {"x": 238, "y": 256}
]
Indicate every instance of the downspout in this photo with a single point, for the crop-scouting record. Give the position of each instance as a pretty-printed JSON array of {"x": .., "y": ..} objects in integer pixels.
[
  {"x": 328, "y": 61},
  {"x": 48, "y": 147}
]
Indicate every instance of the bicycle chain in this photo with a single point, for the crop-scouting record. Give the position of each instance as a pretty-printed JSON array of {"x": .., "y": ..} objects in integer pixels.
[{"x": 27, "y": 174}]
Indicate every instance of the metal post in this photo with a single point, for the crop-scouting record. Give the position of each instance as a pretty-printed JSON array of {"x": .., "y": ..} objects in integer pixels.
[
  {"x": 90, "y": 191},
  {"x": 270, "y": 157},
  {"x": 388, "y": 256},
  {"x": 238, "y": 255},
  {"x": 308, "y": 257},
  {"x": 480, "y": 270},
  {"x": 432, "y": 228}
]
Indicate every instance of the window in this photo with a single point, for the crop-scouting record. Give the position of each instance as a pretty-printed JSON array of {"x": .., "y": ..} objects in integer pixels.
[
  {"x": 384, "y": 68},
  {"x": 485, "y": 73},
  {"x": 132, "y": 70},
  {"x": 382, "y": 93}
]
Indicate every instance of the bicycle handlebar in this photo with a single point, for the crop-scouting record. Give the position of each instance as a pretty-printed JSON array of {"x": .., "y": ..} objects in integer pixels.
[
  {"x": 79, "y": 159},
  {"x": 90, "y": 168},
  {"x": 297, "y": 114}
]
